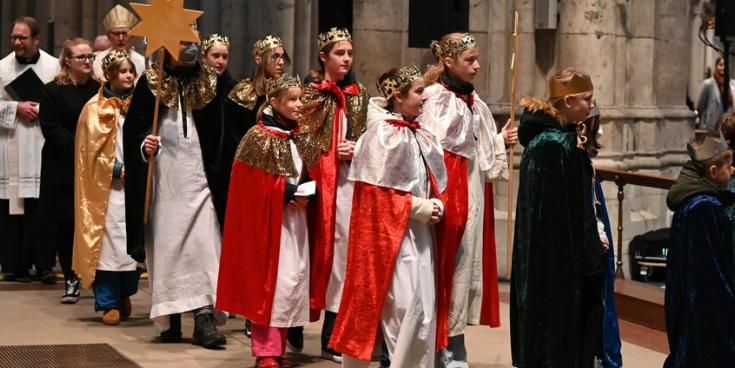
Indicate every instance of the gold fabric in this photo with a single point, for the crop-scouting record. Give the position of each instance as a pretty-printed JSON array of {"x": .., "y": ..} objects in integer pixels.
[
  {"x": 244, "y": 94},
  {"x": 266, "y": 152},
  {"x": 578, "y": 84},
  {"x": 199, "y": 89},
  {"x": 119, "y": 17},
  {"x": 317, "y": 122},
  {"x": 94, "y": 155}
]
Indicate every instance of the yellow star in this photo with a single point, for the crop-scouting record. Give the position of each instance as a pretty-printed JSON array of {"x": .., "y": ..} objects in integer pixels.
[{"x": 165, "y": 23}]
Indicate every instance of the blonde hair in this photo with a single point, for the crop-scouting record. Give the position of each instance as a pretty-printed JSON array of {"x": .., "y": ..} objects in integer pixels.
[
  {"x": 435, "y": 71},
  {"x": 281, "y": 96},
  {"x": 63, "y": 78},
  {"x": 260, "y": 69}
]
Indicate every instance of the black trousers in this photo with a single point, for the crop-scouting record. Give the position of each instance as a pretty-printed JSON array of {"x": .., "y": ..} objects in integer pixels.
[
  {"x": 20, "y": 245},
  {"x": 327, "y": 327},
  {"x": 592, "y": 314},
  {"x": 59, "y": 236}
]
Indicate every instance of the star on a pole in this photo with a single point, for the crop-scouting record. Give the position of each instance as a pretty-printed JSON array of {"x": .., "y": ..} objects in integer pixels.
[{"x": 165, "y": 23}]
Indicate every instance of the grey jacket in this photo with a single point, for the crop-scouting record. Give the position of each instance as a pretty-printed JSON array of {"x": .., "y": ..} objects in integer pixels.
[{"x": 710, "y": 103}]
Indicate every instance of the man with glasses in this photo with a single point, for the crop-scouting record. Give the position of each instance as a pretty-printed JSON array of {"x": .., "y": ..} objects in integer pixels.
[
  {"x": 118, "y": 22},
  {"x": 22, "y": 75}
]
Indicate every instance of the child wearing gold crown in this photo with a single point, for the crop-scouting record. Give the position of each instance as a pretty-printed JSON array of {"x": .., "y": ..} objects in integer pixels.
[
  {"x": 399, "y": 174},
  {"x": 700, "y": 293},
  {"x": 333, "y": 119},
  {"x": 556, "y": 283},
  {"x": 474, "y": 154},
  {"x": 264, "y": 268},
  {"x": 100, "y": 256}
]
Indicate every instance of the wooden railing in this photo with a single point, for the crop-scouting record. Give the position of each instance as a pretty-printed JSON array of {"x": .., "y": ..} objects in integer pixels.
[{"x": 621, "y": 178}]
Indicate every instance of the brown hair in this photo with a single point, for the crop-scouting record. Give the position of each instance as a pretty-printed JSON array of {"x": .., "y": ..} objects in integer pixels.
[
  {"x": 31, "y": 22},
  {"x": 62, "y": 78},
  {"x": 114, "y": 70},
  {"x": 393, "y": 73},
  {"x": 259, "y": 74},
  {"x": 726, "y": 125},
  {"x": 723, "y": 158},
  {"x": 278, "y": 95},
  {"x": 435, "y": 71}
]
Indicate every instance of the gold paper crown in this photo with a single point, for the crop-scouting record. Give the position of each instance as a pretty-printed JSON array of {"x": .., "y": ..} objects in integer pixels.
[
  {"x": 404, "y": 77},
  {"x": 215, "y": 38},
  {"x": 577, "y": 84},
  {"x": 267, "y": 43},
  {"x": 706, "y": 144},
  {"x": 333, "y": 35},
  {"x": 119, "y": 17},
  {"x": 452, "y": 47},
  {"x": 273, "y": 85},
  {"x": 113, "y": 58}
]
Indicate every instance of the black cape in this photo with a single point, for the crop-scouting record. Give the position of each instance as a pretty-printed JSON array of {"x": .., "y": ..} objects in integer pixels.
[
  {"x": 556, "y": 244},
  {"x": 700, "y": 295},
  {"x": 219, "y": 126}
]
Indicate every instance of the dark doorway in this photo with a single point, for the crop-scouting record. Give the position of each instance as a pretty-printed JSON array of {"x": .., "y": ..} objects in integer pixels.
[
  {"x": 430, "y": 19},
  {"x": 335, "y": 13}
]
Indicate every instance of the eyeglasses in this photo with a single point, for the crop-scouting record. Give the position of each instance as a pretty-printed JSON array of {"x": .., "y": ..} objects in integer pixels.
[
  {"x": 119, "y": 33},
  {"x": 82, "y": 58}
]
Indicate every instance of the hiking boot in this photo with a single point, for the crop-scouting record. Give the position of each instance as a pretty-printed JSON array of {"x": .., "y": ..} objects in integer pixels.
[
  {"x": 205, "y": 332},
  {"x": 111, "y": 317},
  {"x": 173, "y": 334}
]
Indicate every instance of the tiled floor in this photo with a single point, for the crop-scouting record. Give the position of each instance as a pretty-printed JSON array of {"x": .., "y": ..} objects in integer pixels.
[{"x": 35, "y": 317}]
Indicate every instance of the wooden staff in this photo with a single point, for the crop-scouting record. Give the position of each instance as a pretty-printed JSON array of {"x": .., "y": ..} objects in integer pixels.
[
  {"x": 513, "y": 78},
  {"x": 154, "y": 132}
]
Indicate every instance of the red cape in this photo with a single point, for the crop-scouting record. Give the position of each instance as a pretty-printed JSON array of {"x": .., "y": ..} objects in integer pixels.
[
  {"x": 251, "y": 243},
  {"x": 377, "y": 225},
  {"x": 448, "y": 237},
  {"x": 490, "y": 311}
]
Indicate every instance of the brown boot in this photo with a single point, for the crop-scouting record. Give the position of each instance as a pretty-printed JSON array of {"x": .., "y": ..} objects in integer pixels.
[
  {"x": 126, "y": 309},
  {"x": 111, "y": 317}
]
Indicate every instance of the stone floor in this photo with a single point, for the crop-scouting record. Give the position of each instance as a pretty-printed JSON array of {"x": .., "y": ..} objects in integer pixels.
[{"x": 31, "y": 314}]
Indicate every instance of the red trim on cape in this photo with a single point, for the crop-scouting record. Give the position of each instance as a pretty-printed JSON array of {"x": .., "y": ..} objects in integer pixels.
[
  {"x": 449, "y": 233},
  {"x": 251, "y": 243},
  {"x": 377, "y": 225},
  {"x": 490, "y": 311}
]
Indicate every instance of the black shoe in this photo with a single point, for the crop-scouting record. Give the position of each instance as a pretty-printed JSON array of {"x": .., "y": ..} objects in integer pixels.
[
  {"x": 332, "y": 355},
  {"x": 205, "y": 332},
  {"x": 295, "y": 339},
  {"x": 173, "y": 334},
  {"x": 71, "y": 292},
  {"x": 46, "y": 277},
  {"x": 23, "y": 277},
  {"x": 248, "y": 328}
]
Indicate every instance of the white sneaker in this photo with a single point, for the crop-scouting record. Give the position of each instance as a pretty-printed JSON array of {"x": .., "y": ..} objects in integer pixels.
[
  {"x": 332, "y": 355},
  {"x": 71, "y": 292}
]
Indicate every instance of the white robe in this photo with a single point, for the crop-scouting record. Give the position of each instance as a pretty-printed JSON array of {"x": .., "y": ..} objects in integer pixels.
[
  {"x": 341, "y": 231},
  {"x": 21, "y": 141},
  {"x": 114, "y": 253},
  {"x": 471, "y": 134},
  {"x": 183, "y": 239},
  {"x": 137, "y": 59},
  {"x": 291, "y": 296}
]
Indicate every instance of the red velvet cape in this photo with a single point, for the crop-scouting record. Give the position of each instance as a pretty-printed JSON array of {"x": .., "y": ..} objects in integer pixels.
[
  {"x": 377, "y": 225},
  {"x": 251, "y": 243}
]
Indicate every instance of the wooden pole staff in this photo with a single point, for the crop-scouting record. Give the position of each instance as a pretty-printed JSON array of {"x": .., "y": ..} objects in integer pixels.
[
  {"x": 154, "y": 131},
  {"x": 513, "y": 76}
]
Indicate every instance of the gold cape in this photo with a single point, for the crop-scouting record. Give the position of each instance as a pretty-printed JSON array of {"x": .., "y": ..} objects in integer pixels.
[
  {"x": 318, "y": 120},
  {"x": 243, "y": 93},
  {"x": 200, "y": 88},
  {"x": 94, "y": 158}
]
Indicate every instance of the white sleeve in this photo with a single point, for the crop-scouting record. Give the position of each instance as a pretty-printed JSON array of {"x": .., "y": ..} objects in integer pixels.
[
  {"x": 8, "y": 111},
  {"x": 499, "y": 170},
  {"x": 142, "y": 151}
]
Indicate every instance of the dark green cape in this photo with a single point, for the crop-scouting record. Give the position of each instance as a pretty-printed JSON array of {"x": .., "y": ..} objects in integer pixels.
[{"x": 556, "y": 242}]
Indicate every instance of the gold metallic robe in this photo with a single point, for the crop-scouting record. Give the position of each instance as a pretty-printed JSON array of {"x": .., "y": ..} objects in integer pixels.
[{"x": 94, "y": 159}]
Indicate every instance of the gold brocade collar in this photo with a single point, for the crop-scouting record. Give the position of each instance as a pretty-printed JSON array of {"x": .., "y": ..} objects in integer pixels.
[
  {"x": 268, "y": 152},
  {"x": 200, "y": 87},
  {"x": 110, "y": 107},
  {"x": 243, "y": 93}
]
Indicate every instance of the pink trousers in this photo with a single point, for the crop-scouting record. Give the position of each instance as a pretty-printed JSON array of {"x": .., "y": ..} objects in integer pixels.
[{"x": 268, "y": 341}]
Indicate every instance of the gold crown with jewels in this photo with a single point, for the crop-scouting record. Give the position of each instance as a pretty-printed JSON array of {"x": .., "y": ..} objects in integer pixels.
[
  {"x": 267, "y": 43},
  {"x": 113, "y": 58},
  {"x": 273, "y": 85},
  {"x": 215, "y": 38},
  {"x": 404, "y": 77},
  {"x": 333, "y": 35},
  {"x": 452, "y": 47}
]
